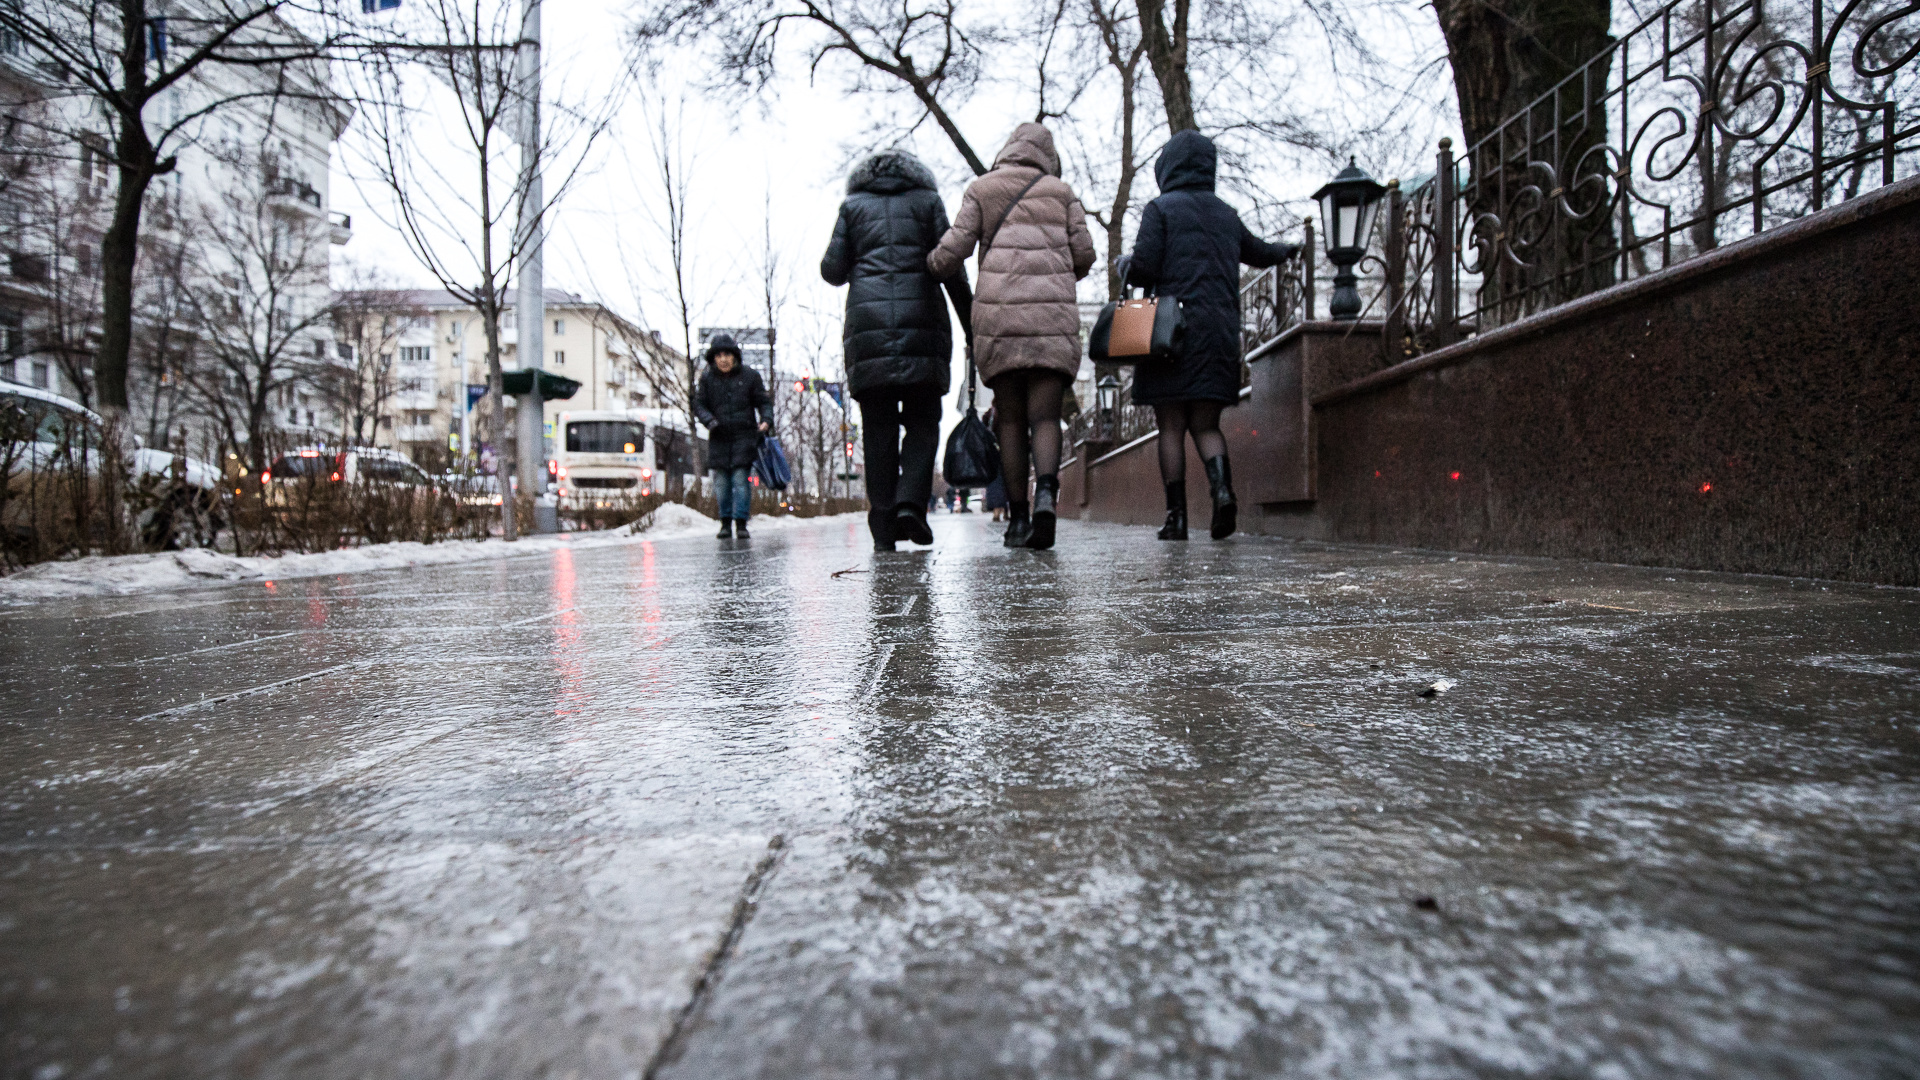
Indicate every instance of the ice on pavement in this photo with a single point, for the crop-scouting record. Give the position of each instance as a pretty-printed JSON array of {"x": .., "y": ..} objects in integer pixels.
[{"x": 169, "y": 571}]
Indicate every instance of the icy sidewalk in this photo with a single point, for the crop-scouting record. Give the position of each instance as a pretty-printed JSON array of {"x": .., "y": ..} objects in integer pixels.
[{"x": 170, "y": 571}]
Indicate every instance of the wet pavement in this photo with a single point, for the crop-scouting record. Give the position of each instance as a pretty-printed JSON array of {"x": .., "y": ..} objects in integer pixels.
[{"x": 785, "y": 808}]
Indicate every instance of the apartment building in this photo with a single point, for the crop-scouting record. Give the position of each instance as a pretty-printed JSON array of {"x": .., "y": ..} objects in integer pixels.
[
  {"x": 252, "y": 158},
  {"x": 432, "y": 363}
]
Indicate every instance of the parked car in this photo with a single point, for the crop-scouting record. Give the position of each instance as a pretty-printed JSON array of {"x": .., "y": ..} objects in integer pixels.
[
  {"x": 63, "y": 425},
  {"x": 171, "y": 495},
  {"x": 320, "y": 465}
]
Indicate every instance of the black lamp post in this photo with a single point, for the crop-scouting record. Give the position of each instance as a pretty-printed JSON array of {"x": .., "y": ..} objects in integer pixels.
[
  {"x": 1106, "y": 395},
  {"x": 1347, "y": 205}
]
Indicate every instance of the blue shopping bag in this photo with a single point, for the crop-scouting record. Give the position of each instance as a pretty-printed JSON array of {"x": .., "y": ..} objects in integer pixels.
[{"x": 771, "y": 465}]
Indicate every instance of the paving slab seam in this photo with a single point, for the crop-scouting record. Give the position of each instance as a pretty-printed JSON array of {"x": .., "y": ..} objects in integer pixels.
[
  {"x": 265, "y": 688},
  {"x": 743, "y": 910}
]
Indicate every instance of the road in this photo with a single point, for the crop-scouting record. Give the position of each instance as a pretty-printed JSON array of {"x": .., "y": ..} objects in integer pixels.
[{"x": 786, "y": 808}]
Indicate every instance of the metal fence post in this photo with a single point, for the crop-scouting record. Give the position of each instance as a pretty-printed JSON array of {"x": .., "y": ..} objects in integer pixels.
[
  {"x": 1392, "y": 339},
  {"x": 1306, "y": 271},
  {"x": 1446, "y": 319}
]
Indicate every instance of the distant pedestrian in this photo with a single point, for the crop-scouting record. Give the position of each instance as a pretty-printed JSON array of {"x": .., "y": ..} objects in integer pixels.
[
  {"x": 1034, "y": 244},
  {"x": 897, "y": 335},
  {"x": 1190, "y": 247},
  {"x": 996, "y": 499},
  {"x": 732, "y": 403}
]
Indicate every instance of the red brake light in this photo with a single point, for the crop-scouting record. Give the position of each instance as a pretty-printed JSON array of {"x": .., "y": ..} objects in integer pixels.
[
  {"x": 264, "y": 476},
  {"x": 334, "y": 477}
]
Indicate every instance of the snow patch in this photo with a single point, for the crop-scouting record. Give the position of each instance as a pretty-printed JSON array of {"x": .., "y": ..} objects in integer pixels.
[{"x": 169, "y": 571}]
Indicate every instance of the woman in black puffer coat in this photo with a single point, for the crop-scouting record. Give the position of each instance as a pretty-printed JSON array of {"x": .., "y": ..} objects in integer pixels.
[
  {"x": 1191, "y": 245},
  {"x": 897, "y": 335},
  {"x": 733, "y": 405}
]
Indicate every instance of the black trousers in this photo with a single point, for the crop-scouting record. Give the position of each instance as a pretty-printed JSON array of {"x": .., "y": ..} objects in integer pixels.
[{"x": 900, "y": 430}]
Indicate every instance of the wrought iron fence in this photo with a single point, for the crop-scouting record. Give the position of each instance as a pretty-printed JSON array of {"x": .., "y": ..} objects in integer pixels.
[{"x": 1711, "y": 121}]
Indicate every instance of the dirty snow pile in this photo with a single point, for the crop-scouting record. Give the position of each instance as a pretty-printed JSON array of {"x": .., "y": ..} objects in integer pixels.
[{"x": 167, "y": 571}]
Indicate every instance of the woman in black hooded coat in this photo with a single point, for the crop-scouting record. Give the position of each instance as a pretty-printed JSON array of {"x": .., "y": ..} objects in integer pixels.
[
  {"x": 1190, "y": 246},
  {"x": 897, "y": 336}
]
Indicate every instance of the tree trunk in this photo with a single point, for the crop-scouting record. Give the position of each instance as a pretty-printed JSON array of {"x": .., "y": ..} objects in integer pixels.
[
  {"x": 118, "y": 250},
  {"x": 498, "y": 421},
  {"x": 1506, "y": 53},
  {"x": 1167, "y": 52}
]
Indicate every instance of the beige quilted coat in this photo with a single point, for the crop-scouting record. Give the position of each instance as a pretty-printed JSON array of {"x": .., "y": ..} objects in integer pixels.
[{"x": 1025, "y": 313}]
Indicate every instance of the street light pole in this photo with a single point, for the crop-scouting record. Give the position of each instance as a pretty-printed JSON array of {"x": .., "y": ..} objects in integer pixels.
[{"x": 530, "y": 308}]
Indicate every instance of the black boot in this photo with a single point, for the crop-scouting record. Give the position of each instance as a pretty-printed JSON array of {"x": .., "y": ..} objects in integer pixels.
[
  {"x": 740, "y": 529},
  {"x": 726, "y": 529},
  {"x": 1019, "y": 527},
  {"x": 910, "y": 523},
  {"x": 1226, "y": 511},
  {"x": 1176, "y": 526},
  {"x": 1046, "y": 492}
]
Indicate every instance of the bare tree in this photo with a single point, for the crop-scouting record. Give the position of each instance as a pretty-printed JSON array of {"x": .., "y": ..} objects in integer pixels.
[
  {"x": 120, "y": 57},
  {"x": 369, "y": 318},
  {"x": 917, "y": 47},
  {"x": 673, "y": 170},
  {"x": 458, "y": 216},
  {"x": 259, "y": 312}
]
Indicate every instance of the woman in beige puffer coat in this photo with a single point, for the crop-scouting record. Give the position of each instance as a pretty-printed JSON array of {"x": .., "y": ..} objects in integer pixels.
[{"x": 1026, "y": 316}]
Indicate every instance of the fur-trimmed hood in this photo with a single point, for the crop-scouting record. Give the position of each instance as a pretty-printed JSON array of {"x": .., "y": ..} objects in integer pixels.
[{"x": 890, "y": 172}]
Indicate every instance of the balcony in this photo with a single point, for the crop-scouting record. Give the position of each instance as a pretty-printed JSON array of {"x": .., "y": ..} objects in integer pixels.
[
  {"x": 417, "y": 433},
  {"x": 420, "y": 400},
  {"x": 341, "y": 226},
  {"x": 617, "y": 377},
  {"x": 294, "y": 196}
]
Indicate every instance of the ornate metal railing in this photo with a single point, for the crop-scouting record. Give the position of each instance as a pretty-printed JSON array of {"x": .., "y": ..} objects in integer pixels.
[{"x": 1711, "y": 121}]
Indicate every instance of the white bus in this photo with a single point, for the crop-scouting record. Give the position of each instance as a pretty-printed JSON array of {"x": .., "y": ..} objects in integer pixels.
[{"x": 600, "y": 456}]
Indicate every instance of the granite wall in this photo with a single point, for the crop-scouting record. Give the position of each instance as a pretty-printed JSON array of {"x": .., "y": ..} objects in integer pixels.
[{"x": 1756, "y": 409}]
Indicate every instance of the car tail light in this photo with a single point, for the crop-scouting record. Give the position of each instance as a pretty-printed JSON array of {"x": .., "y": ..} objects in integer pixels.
[
  {"x": 264, "y": 476},
  {"x": 335, "y": 477}
]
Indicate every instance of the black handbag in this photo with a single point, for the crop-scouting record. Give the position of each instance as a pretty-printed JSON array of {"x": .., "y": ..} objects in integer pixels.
[
  {"x": 1138, "y": 331},
  {"x": 1148, "y": 330},
  {"x": 973, "y": 455}
]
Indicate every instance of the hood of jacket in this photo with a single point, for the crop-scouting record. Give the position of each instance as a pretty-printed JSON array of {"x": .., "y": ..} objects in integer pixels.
[
  {"x": 1186, "y": 163},
  {"x": 1030, "y": 145},
  {"x": 889, "y": 173},
  {"x": 724, "y": 343}
]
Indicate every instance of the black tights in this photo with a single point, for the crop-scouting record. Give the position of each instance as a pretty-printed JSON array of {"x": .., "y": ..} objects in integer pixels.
[
  {"x": 1202, "y": 418},
  {"x": 1027, "y": 404}
]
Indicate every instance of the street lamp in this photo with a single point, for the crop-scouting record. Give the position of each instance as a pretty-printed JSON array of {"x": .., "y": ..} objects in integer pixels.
[
  {"x": 1106, "y": 395},
  {"x": 1347, "y": 205}
]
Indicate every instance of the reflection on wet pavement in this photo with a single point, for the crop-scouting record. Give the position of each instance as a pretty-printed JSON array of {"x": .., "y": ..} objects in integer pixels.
[{"x": 1123, "y": 809}]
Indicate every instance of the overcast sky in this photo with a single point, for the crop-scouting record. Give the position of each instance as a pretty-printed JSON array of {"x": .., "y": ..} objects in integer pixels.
[{"x": 789, "y": 151}]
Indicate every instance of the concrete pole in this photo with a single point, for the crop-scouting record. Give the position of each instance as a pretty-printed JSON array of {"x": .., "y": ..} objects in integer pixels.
[{"x": 530, "y": 310}]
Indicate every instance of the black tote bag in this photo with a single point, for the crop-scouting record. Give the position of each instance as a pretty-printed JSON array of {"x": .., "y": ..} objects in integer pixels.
[{"x": 973, "y": 456}]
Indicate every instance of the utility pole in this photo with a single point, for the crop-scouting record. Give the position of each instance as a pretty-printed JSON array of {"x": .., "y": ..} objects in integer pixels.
[{"x": 530, "y": 310}]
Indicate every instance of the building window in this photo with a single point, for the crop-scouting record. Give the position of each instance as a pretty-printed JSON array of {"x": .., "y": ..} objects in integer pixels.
[
  {"x": 416, "y": 355},
  {"x": 560, "y": 326},
  {"x": 345, "y": 351},
  {"x": 293, "y": 416},
  {"x": 42, "y": 375},
  {"x": 559, "y": 357},
  {"x": 13, "y": 337}
]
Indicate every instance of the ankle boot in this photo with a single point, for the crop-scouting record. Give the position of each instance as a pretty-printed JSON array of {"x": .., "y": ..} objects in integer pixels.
[
  {"x": 1019, "y": 528},
  {"x": 910, "y": 523},
  {"x": 740, "y": 529},
  {"x": 1176, "y": 526},
  {"x": 1225, "y": 509},
  {"x": 726, "y": 529},
  {"x": 1046, "y": 493}
]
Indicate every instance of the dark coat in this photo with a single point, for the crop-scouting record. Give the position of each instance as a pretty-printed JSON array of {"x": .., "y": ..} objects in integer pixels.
[
  {"x": 1191, "y": 246},
  {"x": 897, "y": 335},
  {"x": 726, "y": 407}
]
